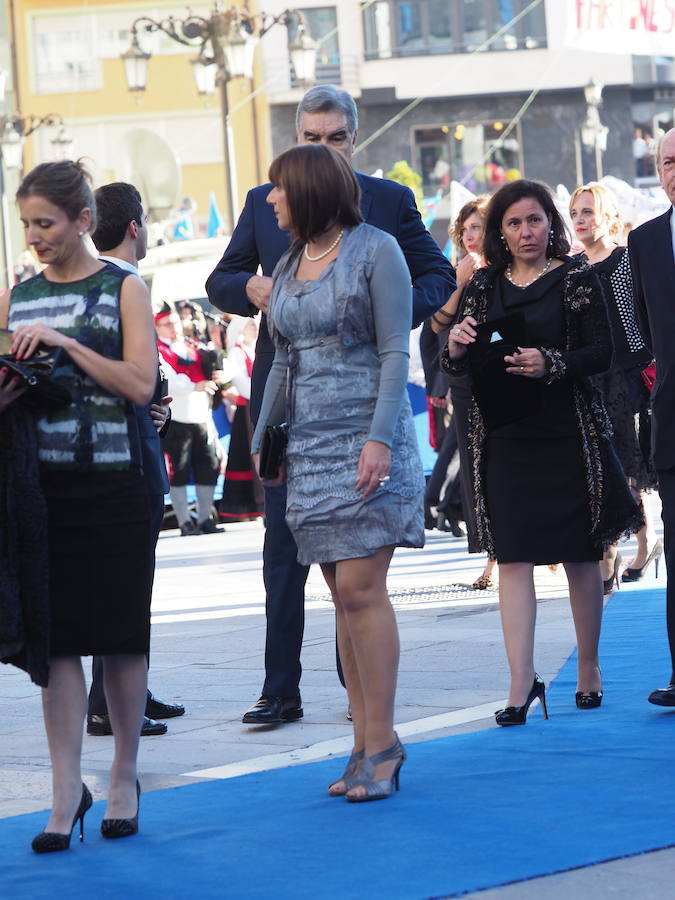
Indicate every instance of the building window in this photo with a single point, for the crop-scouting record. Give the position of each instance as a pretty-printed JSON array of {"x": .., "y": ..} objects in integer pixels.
[
  {"x": 651, "y": 120},
  {"x": 472, "y": 153},
  {"x": 67, "y": 48},
  {"x": 422, "y": 27},
  {"x": 653, "y": 69},
  {"x": 322, "y": 25}
]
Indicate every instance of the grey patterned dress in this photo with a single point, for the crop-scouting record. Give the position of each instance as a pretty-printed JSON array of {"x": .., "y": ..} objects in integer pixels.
[{"x": 339, "y": 379}]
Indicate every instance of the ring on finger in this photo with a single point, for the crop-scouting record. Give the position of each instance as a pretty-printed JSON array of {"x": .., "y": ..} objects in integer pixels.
[{"x": 458, "y": 330}]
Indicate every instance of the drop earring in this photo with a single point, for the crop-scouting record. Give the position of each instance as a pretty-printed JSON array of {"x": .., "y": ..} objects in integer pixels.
[{"x": 550, "y": 238}]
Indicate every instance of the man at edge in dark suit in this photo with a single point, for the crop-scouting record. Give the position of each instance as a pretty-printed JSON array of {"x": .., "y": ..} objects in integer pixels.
[
  {"x": 325, "y": 115},
  {"x": 121, "y": 238},
  {"x": 651, "y": 248}
]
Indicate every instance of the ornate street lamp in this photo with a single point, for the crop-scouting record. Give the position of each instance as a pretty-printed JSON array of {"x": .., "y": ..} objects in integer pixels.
[
  {"x": 302, "y": 51},
  {"x": 14, "y": 129},
  {"x": 593, "y": 132},
  {"x": 135, "y": 64},
  {"x": 226, "y": 42}
]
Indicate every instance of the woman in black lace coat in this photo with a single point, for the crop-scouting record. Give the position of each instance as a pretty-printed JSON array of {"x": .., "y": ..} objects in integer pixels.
[{"x": 548, "y": 485}]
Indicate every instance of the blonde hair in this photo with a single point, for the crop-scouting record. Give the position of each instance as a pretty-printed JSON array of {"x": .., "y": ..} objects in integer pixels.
[{"x": 604, "y": 206}]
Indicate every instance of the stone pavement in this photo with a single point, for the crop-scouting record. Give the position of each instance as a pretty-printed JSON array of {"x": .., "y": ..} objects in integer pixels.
[{"x": 207, "y": 650}]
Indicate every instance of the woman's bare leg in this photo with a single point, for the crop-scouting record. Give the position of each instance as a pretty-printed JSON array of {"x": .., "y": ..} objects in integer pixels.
[
  {"x": 646, "y": 536},
  {"x": 518, "y": 609},
  {"x": 607, "y": 562},
  {"x": 350, "y": 670},
  {"x": 586, "y": 600},
  {"x": 64, "y": 706},
  {"x": 125, "y": 679},
  {"x": 371, "y": 623}
]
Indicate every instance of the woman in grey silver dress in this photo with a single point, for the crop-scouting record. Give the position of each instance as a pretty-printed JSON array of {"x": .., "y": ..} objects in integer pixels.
[{"x": 340, "y": 314}]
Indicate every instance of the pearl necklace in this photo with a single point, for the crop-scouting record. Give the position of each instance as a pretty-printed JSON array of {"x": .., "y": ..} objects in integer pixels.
[
  {"x": 325, "y": 252},
  {"x": 527, "y": 283}
]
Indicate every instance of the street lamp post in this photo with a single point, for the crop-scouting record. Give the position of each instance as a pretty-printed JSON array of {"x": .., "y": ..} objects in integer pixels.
[
  {"x": 593, "y": 132},
  {"x": 225, "y": 44},
  {"x": 14, "y": 129}
]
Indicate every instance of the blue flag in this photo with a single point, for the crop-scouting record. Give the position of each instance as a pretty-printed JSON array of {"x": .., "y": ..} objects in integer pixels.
[{"x": 215, "y": 223}]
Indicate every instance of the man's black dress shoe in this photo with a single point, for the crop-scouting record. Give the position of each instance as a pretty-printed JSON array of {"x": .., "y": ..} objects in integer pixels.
[
  {"x": 271, "y": 710},
  {"x": 158, "y": 709},
  {"x": 663, "y": 696},
  {"x": 100, "y": 726}
]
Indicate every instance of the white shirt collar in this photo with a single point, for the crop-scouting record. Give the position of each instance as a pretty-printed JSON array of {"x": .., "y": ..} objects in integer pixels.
[{"x": 120, "y": 263}]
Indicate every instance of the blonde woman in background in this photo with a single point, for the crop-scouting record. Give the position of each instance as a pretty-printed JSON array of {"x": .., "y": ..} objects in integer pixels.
[{"x": 597, "y": 225}]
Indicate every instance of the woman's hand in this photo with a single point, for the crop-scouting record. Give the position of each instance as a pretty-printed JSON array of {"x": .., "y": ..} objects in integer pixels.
[
  {"x": 26, "y": 338},
  {"x": 270, "y": 482},
  {"x": 10, "y": 389},
  {"x": 527, "y": 362},
  {"x": 461, "y": 336},
  {"x": 466, "y": 267},
  {"x": 374, "y": 465}
]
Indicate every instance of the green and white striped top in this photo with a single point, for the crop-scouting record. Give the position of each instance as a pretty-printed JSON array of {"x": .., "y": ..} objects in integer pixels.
[{"x": 93, "y": 432}]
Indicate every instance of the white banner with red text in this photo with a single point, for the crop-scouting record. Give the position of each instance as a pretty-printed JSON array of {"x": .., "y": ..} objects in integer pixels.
[{"x": 639, "y": 27}]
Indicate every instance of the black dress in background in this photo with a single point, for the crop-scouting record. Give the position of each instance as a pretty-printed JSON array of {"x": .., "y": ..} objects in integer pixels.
[
  {"x": 535, "y": 480},
  {"x": 625, "y": 394}
]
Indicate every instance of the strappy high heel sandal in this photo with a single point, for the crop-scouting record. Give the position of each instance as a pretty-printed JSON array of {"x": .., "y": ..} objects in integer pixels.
[
  {"x": 53, "y": 841},
  {"x": 379, "y": 790},
  {"x": 349, "y": 776}
]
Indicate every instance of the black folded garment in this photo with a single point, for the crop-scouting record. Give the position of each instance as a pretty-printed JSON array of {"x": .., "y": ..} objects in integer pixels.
[{"x": 502, "y": 397}]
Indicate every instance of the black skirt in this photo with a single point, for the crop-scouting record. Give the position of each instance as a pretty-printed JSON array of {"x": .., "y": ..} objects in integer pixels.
[
  {"x": 101, "y": 547},
  {"x": 537, "y": 501}
]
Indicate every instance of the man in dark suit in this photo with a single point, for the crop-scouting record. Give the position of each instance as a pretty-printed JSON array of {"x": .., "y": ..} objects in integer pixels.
[
  {"x": 325, "y": 115},
  {"x": 121, "y": 239},
  {"x": 651, "y": 249}
]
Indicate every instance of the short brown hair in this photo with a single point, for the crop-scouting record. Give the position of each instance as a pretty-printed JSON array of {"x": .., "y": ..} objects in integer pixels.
[
  {"x": 65, "y": 184},
  {"x": 477, "y": 205},
  {"x": 321, "y": 189}
]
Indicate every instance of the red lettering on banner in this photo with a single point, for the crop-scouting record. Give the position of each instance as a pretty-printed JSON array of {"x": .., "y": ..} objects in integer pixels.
[
  {"x": 671, "y": 10},
  {"x": 656, "y": 16}
]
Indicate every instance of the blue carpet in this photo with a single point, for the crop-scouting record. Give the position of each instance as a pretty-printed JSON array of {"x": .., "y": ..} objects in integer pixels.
[{"x": 475, "y": 810}]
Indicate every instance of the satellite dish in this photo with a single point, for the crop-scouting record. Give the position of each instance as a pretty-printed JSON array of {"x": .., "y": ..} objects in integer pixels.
[{"x": 150, "y": 165}]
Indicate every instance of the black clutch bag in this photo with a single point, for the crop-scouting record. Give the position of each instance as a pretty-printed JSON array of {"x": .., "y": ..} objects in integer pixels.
[
  {"x": 36, "y": 374},
  {"x": 502, "y": 398},
  {"x": 273, "y": 450}
]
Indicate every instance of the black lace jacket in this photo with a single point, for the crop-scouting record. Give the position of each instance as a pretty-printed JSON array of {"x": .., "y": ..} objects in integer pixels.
[
  {"x": 24, "y": 597},
  {"x": 587, "y": 350}
]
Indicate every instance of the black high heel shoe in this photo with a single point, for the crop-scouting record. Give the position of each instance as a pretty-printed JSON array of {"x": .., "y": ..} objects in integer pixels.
[
  {"x": 119, "y": 828},
  {"x": 588, "y": 699},
  {"x": 633, "y": 574},
  {"x": 608, "y": 583},
  {"x": 53, "y": 841},
  {"x": 517, "y": 715}
]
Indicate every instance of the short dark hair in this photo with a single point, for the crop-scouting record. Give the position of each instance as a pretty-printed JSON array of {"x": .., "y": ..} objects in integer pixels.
[
  {"x": 65, "y": 184},
  {"x": 494, "y": 249},
  {"x": 321, "y": 189},
  {"x": 117, "y": 205}
]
